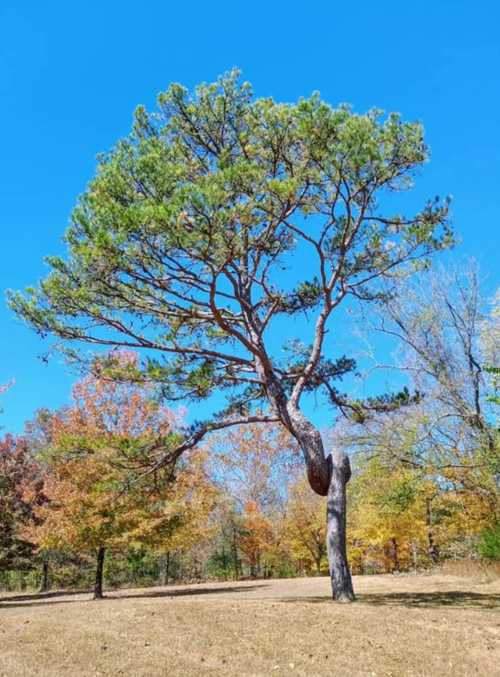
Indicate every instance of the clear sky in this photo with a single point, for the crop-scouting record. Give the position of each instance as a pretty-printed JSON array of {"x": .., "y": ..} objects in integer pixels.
[{"x": 71, "y": 74}]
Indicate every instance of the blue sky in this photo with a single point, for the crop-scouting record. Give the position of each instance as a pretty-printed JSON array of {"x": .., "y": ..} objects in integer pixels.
[{"x": 72, "y": 73}]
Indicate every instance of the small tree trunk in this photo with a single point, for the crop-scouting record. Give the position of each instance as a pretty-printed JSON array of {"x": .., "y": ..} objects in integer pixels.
[
  {"x": 395, "y": 556},
  {"x": 164, "y": 568},
  {"x": 167, "y": 569},
  {"x": 44, "y": 583},
  {"x": 340, "y": 575},
  {"x": 432, "y": 549},
  {"x": 415, "y": 555},
  {"x": 224, "y": 559},
  {"x": 99, "y": 573},
  {"x": 235, "y": 554}
]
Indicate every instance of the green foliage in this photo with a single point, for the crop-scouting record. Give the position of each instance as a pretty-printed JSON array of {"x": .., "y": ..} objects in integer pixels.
[
  {"x": 180, "y": 242},
  {"x": 489, "y": 543},
  {"x": 495, "y": 372}
]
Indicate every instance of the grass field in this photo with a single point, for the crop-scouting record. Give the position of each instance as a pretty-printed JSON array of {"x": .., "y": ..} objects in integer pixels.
[{"x": 402, "y": 625}]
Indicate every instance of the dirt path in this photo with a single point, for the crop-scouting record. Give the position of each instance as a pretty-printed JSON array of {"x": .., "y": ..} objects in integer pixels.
[{"x": 405, "y": 625}]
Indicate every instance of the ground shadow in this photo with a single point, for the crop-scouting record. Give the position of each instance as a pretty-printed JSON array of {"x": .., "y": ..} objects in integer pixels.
[
  {"x": 451, "y": 598},
  {"x": 39, "y": 599},
  {"x": 187, "y": 591},
  {"x": 411, "y": 600},
  {"x": 42, "y": 595}
]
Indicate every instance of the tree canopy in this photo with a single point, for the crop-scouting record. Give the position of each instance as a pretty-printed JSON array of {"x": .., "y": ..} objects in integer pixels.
[{"x": 184, "y": 241}]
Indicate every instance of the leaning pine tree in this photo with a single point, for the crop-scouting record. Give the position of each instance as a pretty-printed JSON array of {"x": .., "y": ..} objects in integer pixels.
[{"x": 219, "y": 219}]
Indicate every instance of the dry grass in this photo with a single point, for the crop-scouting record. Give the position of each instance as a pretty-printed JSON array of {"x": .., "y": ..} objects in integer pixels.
[
  {"x": 405, "y": 625},
  {"x": 481, "y": 570}
]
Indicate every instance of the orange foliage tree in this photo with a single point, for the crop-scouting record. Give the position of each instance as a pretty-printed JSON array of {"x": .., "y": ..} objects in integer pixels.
[
  {"x": 19, "y": 472},
  {"x": 102, "y": 491},
  {"x": 257, "y": 536},
  {"x": 253, "y": 465}
]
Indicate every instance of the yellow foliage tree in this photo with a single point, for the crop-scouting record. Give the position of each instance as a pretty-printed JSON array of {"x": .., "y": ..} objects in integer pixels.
[{"x": 304, "y": 530}]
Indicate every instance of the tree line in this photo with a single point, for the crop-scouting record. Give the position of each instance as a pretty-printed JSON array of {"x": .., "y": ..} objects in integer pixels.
[{"x": 81, "y": 496}]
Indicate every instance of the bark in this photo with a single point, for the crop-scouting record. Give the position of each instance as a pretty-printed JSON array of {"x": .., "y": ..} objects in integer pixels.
[
  {"x": 99, "y": 573},
  {"x": 44, "y": 583},
  {"x": 395, "y": 557},
  {"x": 164, "y": 568},
  {"x": 309, "y": 438},
  {"x": 340, "y": 575},
  {"x": 328, "y": 476},
  {"x": 236, "y": 563},
  {"x": 432, "y": 548},
  {"x": 415, "y": 555}
]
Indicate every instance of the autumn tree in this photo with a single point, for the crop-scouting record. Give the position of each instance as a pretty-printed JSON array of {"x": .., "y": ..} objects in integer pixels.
[
  {"x": 100, "y": 496},
  {"x": 215, "y": 224},
  {"x": 257, "y": 536},
  {"x": 254, "y": 463},
  {"x": 21, "y": 491},
  {"x": 304, "y": 531},
  {"x": 225, "y": 556},
  {"x": 389, "y": 505}
]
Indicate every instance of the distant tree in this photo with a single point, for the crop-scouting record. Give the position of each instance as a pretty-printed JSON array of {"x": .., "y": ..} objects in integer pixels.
[
  {"x": 225, "y": 557},
  {"x": 490, "y": 340},
  {"x": 304, "y": 527},
  {"x": 21, "y": 491},
  {"x": 219, "y": 216},
  {"x": 257, "y": 536},
  {"x": 401, "y": 517},
  {"x": 444, "y": 340},
  {"x": 389, "y": 515},
  {"x": 253, "y": 464}
]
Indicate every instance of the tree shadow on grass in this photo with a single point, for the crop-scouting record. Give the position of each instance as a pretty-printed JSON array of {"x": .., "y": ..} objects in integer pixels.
[
  {"x": 40, "y": 599},
  {"x": 187, "y": 591},
  {"x": 411, "y": 600}
]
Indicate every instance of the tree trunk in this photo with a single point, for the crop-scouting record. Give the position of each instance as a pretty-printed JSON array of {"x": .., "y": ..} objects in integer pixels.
[
  {"x": 432, "y": 549},
  {"x": 340, "y": 575},
  {"x": 164, "y": 568},
  {"x": 317, "y": 465},
  {"x": 235, "y": 554},
  {"x": 328, "y": 476},
  {"x": 161, "y": 570},
  {"x": 44, "y": 583},
  {"x": 415, "y": 555},
  {"x": 395, "y": 557},
  {"x": 99, "y": 573}
]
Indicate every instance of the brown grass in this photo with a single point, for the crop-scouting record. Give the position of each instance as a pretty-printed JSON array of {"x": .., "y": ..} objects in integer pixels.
[
  {"x": 481, "y": 570},
  {"x": 401, "y": 625}
]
